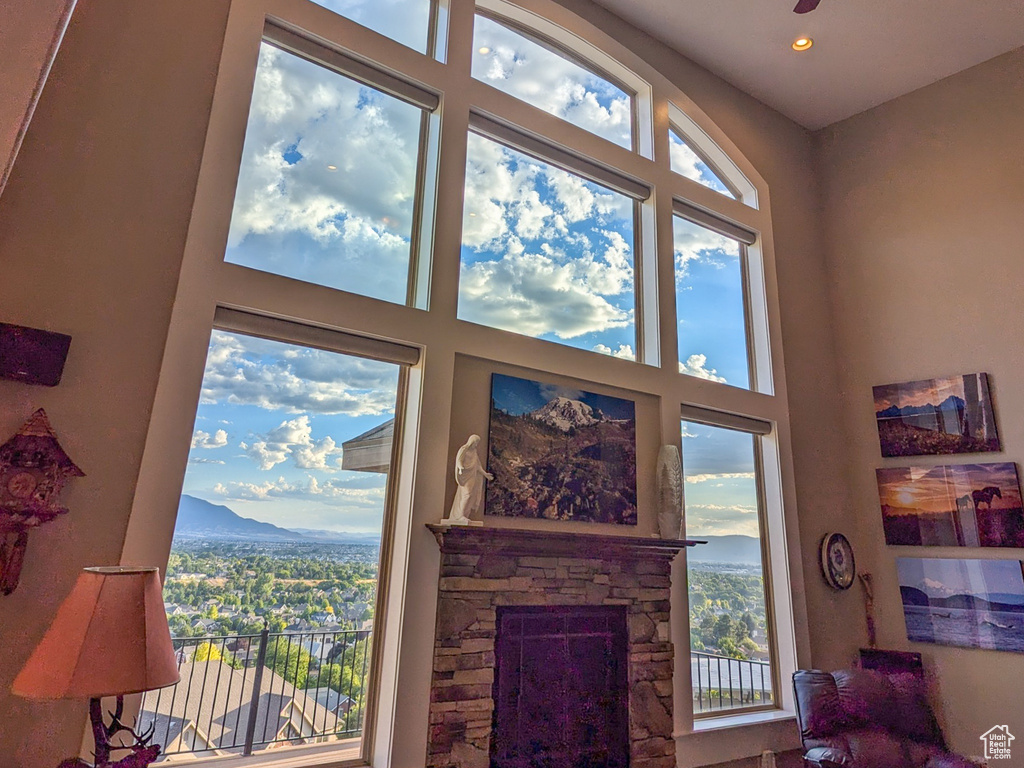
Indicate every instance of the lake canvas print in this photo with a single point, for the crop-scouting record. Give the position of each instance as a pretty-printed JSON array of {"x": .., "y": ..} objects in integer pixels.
[
  {"x": 559, "y": 453},
  {"x": 936, "y": 416},
  {"x": 967, "y": 603},
  {"x": 964, "y": 505}
]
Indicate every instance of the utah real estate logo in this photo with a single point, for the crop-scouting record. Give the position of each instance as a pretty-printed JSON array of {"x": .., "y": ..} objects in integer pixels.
[{"x": 997, "y": 742}]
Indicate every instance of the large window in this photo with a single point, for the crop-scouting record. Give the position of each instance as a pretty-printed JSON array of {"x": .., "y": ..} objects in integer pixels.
[
  {"x": 271, "y": 585},
  {"x": 730, "y": 629},
  {"x": 394, "y": 194}
]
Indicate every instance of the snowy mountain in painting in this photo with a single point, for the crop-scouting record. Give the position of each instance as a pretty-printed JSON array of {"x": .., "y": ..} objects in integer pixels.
[{"x": 565, "y": 414}]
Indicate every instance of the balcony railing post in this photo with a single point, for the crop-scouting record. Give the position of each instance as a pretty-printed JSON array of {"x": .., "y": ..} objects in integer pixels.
[{"x": 257, "y": 681}]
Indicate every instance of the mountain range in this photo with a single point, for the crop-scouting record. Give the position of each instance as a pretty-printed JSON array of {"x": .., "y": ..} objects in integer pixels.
[
  {"x": 565, "y": 414},
  {"x": 198, "y": 517},
  {"x": 735, "y": 549},
  {"x": 995, "y": 602},
  {"x": 951, "y": 403}
]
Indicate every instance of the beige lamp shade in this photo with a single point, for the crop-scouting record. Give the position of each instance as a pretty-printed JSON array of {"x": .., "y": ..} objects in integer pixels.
[{"x": 109, "y": 637}]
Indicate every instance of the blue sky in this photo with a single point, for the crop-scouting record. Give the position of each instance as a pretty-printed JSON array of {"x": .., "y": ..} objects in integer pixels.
[
  {"x": 269, "y": 428},
  {"x": 720, "y": 488}
]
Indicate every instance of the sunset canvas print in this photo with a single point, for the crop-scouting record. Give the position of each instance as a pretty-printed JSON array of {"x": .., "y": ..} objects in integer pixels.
[
  {"x": 965, "y": 505},
  {"x": 559, "y": 453},
  {"x": 967, "y": 603},
  {"x": 936, "y": 416}
]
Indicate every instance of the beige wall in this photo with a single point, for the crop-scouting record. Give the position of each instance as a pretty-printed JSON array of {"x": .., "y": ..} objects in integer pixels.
[
  {"x": 92, "y": 227},
  {"x": 923, "y": 199}
]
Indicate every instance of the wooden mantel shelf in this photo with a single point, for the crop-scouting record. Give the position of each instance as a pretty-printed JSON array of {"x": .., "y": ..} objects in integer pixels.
[{"x": 520, "y": 542}]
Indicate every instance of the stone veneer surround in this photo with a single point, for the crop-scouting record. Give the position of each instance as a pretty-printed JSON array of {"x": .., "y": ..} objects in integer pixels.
[{"x": 483, "y": 568}]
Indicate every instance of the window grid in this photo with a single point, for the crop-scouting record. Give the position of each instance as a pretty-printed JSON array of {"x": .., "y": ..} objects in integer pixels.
[{"x": 207, "y": 280}]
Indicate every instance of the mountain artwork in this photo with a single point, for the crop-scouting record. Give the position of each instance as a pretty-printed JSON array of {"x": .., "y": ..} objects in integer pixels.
[
  {"x": 966, "y": 603},
  {"x": 936, "y": 416},
  {"x": 558, "y": 453}
]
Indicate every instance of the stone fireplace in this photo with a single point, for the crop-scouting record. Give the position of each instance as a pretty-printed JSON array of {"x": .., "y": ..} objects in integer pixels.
[{"x": 484, "y": 570}]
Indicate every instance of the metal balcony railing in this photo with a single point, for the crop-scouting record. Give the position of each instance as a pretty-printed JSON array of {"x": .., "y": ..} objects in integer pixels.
[
  {"x": 244, "y": 693},
  {"x": 721, "y": 682}
]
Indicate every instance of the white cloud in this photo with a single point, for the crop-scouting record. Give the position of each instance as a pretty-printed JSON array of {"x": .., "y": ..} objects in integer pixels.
[
  {"x": 294, "y": 440},
  {"x": 201, "y": 460},
  {"x": 624, "y": 352},
  {"x": 692, "y": 242},
  {"x": 205, "y": 440},
  {"x": 720, "y": 476},
  {"x": 534, "y": 294},
  {"x": 243, "y": 370},
  {"x": 327, "y": 491},
  {"x": 696, "y": 365}
]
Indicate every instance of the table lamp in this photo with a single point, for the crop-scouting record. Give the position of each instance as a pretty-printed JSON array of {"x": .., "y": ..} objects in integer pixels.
[{"x": 109, "y": 638}]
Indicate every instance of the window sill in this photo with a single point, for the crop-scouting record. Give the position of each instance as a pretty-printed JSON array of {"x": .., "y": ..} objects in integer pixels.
[
  {"x": 705, "y": 724},
  {"x": 737, "y": 737}
]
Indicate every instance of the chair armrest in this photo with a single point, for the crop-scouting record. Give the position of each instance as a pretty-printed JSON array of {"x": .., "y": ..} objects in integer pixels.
[{"x": 828, "y": 757}]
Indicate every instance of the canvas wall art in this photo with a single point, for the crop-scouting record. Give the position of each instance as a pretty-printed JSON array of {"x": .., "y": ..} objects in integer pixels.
[
  {"x": 558, "y": 453},
  {"x": 967, "y": 603},
  {"x": 965, "y": 505},
  {"x": 936, "y": 416}
]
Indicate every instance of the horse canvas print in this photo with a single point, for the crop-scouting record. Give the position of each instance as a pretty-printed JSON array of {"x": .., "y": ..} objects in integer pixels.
[
  {"x": 965, "y": 505},
  {"x": 559, "y": 453},
  {"x": 936, "y": 416}
]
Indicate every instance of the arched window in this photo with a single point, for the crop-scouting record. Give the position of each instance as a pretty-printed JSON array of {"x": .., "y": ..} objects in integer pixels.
[{"x": 397, "y": 199}]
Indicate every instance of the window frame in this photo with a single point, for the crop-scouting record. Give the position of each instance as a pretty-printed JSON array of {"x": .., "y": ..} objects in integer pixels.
[
  {"x": 429, "y": 321},
  {"x": 757, "y": 430}
]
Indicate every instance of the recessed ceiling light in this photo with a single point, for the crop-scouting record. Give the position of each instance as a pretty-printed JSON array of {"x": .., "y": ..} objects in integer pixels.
[
  {"x": 802, "y": 43},
  {"x": 484, "y": 50},
  {"x": 332, "y": 167}
]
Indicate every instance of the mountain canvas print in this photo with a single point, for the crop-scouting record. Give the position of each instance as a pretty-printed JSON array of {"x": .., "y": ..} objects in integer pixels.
[
  {"x": 936, "y": 416},
  {"x": 558, "y": 453},
  {"x": 968, "y": 603}
]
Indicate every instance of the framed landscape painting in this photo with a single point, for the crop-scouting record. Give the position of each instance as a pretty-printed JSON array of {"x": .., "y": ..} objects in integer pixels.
[
  {"x": 558, "y": 453},
  {"x": 968, "y": 603},
  {"x": 936, "y": 416},
  {"x": 965, "y": 505}
]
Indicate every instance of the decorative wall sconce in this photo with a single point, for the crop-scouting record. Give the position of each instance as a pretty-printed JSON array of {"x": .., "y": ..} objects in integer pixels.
[{"x": 33, "y": 470}]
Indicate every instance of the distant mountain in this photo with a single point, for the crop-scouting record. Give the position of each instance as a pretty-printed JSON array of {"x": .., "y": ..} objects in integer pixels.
[
  {"x": 951, "y": 403},
  {"x": 345, "y": 537},
  {"x": 565, "y": 414},
  {"x": 915, "y": 596},
  {"x": 741, "y": 550},
  {"x": 197, "y": 517}
]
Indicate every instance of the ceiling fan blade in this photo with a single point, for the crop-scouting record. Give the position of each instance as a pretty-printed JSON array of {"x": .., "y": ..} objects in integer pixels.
[{"x": 806, "y": 6}]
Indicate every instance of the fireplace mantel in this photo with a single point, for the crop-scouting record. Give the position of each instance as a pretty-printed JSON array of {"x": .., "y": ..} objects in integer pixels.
[{"x": 519, "y": 542}]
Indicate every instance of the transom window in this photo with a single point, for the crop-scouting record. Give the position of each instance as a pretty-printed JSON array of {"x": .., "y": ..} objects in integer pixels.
[
  {"x": 547, "y": 78},
  {"x": 688, "y": 163}
]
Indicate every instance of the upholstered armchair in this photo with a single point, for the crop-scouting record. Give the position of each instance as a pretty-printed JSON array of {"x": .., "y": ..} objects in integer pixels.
[{"x": 863, "y": 719}]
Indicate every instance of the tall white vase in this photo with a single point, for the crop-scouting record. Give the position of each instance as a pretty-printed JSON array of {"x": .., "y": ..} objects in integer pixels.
[{"x": 670, "y": 493}]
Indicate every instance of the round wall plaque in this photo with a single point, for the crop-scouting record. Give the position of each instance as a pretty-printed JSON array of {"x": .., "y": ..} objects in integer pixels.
[{"x": 837, "y": 563}]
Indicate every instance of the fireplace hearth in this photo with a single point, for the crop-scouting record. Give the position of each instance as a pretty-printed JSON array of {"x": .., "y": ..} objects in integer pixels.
[{"x": 531, "y": 581}]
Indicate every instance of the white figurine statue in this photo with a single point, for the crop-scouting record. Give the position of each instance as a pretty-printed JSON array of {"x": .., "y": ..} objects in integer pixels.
[
  {"x": 670, "y": 493},
  {"x": 469, "y": 476}
]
